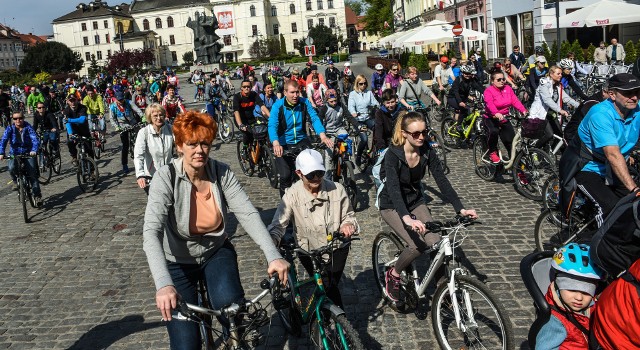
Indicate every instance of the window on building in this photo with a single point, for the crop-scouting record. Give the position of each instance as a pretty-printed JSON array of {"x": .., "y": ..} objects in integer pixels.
[
  {"x": 172, "y": 40},
  {"x": 296, "y": 42},
  {"x": 108, "y": 53},
  {"x": 274, "y": 11},
  {"x": 332, "y": 22},
  {"x": 158, "y": 23},
  {"x": 276, "y": 29},
  {"x": 105, "y": 23},
  {"x": 252, "y": 11},
  {"x": 330, "y": 4},
  {"x": 501, "y": 38},
  {"x": 99, "y": 55},
  {"x": 294, "y": 27},
  {"x": 308, "y": 2},
  {"x": 527, "y": 32},
  {"x": 83, "y": 26},
  {"x": 85, "y": 40},
  {"x": 254, "y": 30},
  {"x": 145, "y": 24},
  {"x": 170, "y": 22},
  {"x": 107, "y": 39},
  {"x": 319, "y": 4},
  {"x": 227, "y": 40},
  {"x": 320, "y": 21},
  {"x": 87, "y": 56},
  {"x": 5, "y": 47},
  {"x": 174, "y": 56},
  {"x": 96, "y": 38},
  {"x": 95, "y": 24},
  {"x": 292, "y": 9}
]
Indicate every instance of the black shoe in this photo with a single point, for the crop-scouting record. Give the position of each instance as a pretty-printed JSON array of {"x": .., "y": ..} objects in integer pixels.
[
  {"x": 358, "y": 161},
  {"x": 38, "y": 201}
]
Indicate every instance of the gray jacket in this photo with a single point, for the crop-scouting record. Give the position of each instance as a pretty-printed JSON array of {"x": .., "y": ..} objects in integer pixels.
[
  {"x": 166, "y": 234},
  {"x": 407, "y": 94},
  {"x": 152, "y": 149}
]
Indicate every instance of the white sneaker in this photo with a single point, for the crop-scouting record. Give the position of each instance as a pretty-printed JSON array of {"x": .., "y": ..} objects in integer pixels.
[{"x": 195, "y": 100}]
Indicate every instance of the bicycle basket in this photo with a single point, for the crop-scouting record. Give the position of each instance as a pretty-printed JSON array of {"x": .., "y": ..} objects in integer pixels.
[{"x": 260, "y": 131}]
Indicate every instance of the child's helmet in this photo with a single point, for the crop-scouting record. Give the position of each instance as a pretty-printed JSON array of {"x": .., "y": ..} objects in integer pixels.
[{"x": 573, "y": 259}]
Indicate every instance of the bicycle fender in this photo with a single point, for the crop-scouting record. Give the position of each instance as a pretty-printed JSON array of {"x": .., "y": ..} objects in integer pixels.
[{"x": 333, "y": 308}]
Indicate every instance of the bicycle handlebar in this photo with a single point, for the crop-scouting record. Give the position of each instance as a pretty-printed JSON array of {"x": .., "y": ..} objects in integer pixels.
[
  {"x": 438, "y": 226},
  {"x": 335, "y": 236}
]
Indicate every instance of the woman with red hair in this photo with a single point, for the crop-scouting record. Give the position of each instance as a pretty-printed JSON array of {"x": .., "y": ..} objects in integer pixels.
[{"x": 186, "y": 238}]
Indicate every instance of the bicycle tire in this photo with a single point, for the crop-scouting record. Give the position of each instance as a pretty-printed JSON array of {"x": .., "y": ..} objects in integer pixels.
[
  {"x": 449, "y": 135},
  {"x": 440, "y": 112},
  {"x": 347, "y": 179},
  {"x": 22, "y": 197},
  {"x": 87, "y": 174},
  {"x": 530, "y": 171},
  {"x": 550, "y": 234},
  {"x": 245, "y": 164},
  {"x": 550, "y": 191},
  {"x": 474, "y": 334},
  {"x": 385, "y": 251},
  {"x": 97, "y": 151},
  {"x": 332, "y": 322},
  {"x": 291, "y": 317},
  {"x": 44, "y": 169},
  {"x": 437, "y": 144},
  {"x": 483, "y": 168},
  {"x": 226, "y": 129},
  {"x": 56, "y": 164},
  {"x": 272, "y": 173}
]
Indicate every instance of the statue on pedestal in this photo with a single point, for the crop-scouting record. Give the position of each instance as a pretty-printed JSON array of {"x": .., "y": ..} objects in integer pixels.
[{"x": 205, "y": 42}]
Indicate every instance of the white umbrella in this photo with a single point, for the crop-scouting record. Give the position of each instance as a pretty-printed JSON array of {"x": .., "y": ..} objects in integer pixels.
[
  {"x": 397, "y": 42},
  {"x": 389, "y": 38},
  {"x": 601, "y": 13},
  {"x": 433, "y": 34}
]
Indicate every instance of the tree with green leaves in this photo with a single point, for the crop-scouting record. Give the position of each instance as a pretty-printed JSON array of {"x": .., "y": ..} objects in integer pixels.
[
  {"x": 577, "y": 50},
  {"x": 273, "y": 47},
  {"x": 283, "y": 45},
  {"x": 322, "y": 38},
  {"x": 378, "y": 12},
  {"x": 565, "y": 47},
  {"x": 93, "y": 66},
  {"x": 355, "y": 5},
  {"x": 546, "y": 50},
  {"x": 630, "y": 52},
  {"x": 51, "y": 57},
  {"x": 589, "y": 52},
  {"x": 553, "y": 53},
  {"x": 258, "y": 49},
  {"x": 188, "y": 58}
]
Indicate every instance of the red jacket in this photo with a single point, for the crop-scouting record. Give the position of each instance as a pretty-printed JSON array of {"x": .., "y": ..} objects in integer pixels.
[
  {"x": 576, "y": 340},
  {"x": 616, "y": 322}
]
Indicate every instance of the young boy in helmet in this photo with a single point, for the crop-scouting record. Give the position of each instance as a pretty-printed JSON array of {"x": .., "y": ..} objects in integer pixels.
[
  {"x": 572, "y": 299},
  {"x": 377, "y": 81}
]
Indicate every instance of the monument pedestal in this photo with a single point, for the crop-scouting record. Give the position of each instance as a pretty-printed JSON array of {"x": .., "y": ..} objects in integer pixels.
[{"x": 208, "y": 68}]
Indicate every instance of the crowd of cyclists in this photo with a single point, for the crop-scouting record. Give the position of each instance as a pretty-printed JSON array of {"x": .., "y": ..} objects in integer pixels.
[{"x": 307, "y": 110}]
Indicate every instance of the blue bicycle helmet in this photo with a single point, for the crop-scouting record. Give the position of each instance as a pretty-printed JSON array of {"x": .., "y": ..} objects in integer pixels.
[{"x": 573, "y": 259}]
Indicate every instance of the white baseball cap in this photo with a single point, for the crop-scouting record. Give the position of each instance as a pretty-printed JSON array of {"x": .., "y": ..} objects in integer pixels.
[
  {"x": 347, "y": 64},
  {"x": 309, "y": 161}
]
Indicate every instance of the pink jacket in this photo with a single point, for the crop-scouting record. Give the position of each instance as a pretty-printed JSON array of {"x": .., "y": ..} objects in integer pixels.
[{"x": 499, "y": 101}]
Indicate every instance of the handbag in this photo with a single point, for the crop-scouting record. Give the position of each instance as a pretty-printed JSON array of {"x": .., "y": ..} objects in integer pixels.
[{"x": 533, "y": 128}]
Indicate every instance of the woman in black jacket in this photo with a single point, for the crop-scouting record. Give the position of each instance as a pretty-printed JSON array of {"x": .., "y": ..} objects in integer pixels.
[
  {"x": 401, "y": 202},
  {"x": 460, "y": 90}
]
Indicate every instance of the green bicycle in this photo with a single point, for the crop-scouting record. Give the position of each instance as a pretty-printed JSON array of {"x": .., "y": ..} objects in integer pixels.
[
  {"x": 328, "y": 325},
  {"x": 455, "y": 137}
]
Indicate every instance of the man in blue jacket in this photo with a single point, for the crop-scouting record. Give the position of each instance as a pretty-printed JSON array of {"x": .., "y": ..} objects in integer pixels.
[
  {"x": 22, "y": 139},
  {"x": 287, "y": 124}
]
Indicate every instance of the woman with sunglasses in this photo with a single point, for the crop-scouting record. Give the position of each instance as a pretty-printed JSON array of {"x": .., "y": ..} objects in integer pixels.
[
  {"x": 393, "y": 79},
  {"x": 498, "y": 98},
  {"x": 400, "y": 200},
  {"x": 361, "y": 101}
]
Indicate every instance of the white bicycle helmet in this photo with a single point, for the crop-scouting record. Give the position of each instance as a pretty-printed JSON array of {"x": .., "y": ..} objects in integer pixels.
[
  {"x": 379, "y": 66},
  {"x": 467, "y": 68},
  {"x": 566, "y": 63},
  {"x": 347, "y": 64}
]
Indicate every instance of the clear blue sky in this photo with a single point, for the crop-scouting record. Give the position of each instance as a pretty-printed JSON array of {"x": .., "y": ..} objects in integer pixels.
[{"x": 35, "y": 16}]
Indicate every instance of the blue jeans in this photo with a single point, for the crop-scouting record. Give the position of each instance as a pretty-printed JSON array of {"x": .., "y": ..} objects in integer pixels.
[
  {"x": 50, "y": 136},
  {"x": 222, "y": 278},
  {"x": 364, "y": 139},
  {"x": 101, "y": 126},
  {"x": 32, "y": 174},
  {"x": 214, "y": 106}
]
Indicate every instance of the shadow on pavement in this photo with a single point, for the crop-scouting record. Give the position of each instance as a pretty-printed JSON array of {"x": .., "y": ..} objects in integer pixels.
[{"x": 105, "y": 335}]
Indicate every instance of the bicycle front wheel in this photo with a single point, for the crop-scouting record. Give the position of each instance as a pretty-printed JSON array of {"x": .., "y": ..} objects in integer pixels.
[
  {"x": 226, "y": 128},
  {"x": 270, "y": 168},
  {"x": 97, "y": 150},
  {"x": 347, "y": 180},
  {"x": 338, "y": 332},
  {"x": 243, "y": 158},
  {"x": 23, "y": 197},
  {"x": 450, "y": 135},
  {"x": 56, "y": 164},
  {"x": 437, "y": 143},
  {"x": 483, "y": 166},
  {"x": 44, "y": 169},
  {"x": 385, "y": 251},
  {"x": 530, "y": 171},
  {"x": 483, "y": 322},
  {"x": 87, "y": 174}
]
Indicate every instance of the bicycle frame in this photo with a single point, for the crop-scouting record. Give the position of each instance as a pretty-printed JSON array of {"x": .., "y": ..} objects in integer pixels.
[{"x": 517, "y": 142}]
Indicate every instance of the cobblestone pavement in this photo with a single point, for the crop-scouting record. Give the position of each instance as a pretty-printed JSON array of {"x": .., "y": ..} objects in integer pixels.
[{"x": 77, "y": 277}]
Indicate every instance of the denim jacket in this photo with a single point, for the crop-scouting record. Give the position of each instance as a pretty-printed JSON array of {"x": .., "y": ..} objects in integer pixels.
[{"x": 29, "y": 141}]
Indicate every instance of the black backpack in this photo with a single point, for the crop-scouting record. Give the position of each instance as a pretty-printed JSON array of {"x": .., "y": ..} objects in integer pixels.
[{"x": 616, "y": 244}]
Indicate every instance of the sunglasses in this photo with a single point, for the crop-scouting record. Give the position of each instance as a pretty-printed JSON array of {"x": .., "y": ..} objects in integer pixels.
[
  {"x": 246, "y": 86},
  {"x": 362, "y": 83},
  {"x": 318, "y": 174},
  {"x": 501, "y": 79},
  {"x": 417, "y": 134},
  {"x": 39, "y": 107},
  {"x": 19, "y": 118},
  {"x": 394, "y": 70},
  {"x": 332, "y": 96}
]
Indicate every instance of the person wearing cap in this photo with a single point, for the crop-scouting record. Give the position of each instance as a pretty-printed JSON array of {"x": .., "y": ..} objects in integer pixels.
[
  {"x": 476, "y": 60},
  {"x": 77, "y": 123},
  {"x": 547, "y": 106},
  {"x": 332, "y": 115},
  {"x": 533, "y": 79},
  {"x": 377, "y": 80},
  {"x": 347, "y": 79},
  {"x": 314, "y": 70},
  {"x": 610, "y": 131},
  {"x": 124, "y": 113},
  {"x": 332, "y": 74},
  {"x": 287, "y": 124},
  {"x": 440, "y": 77},
  {"x": 533, "y": 60},
  {"x": 318, "y": 207},
  {"x": 571, "y": 296},
  {"x": 306, "y": 71}
]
